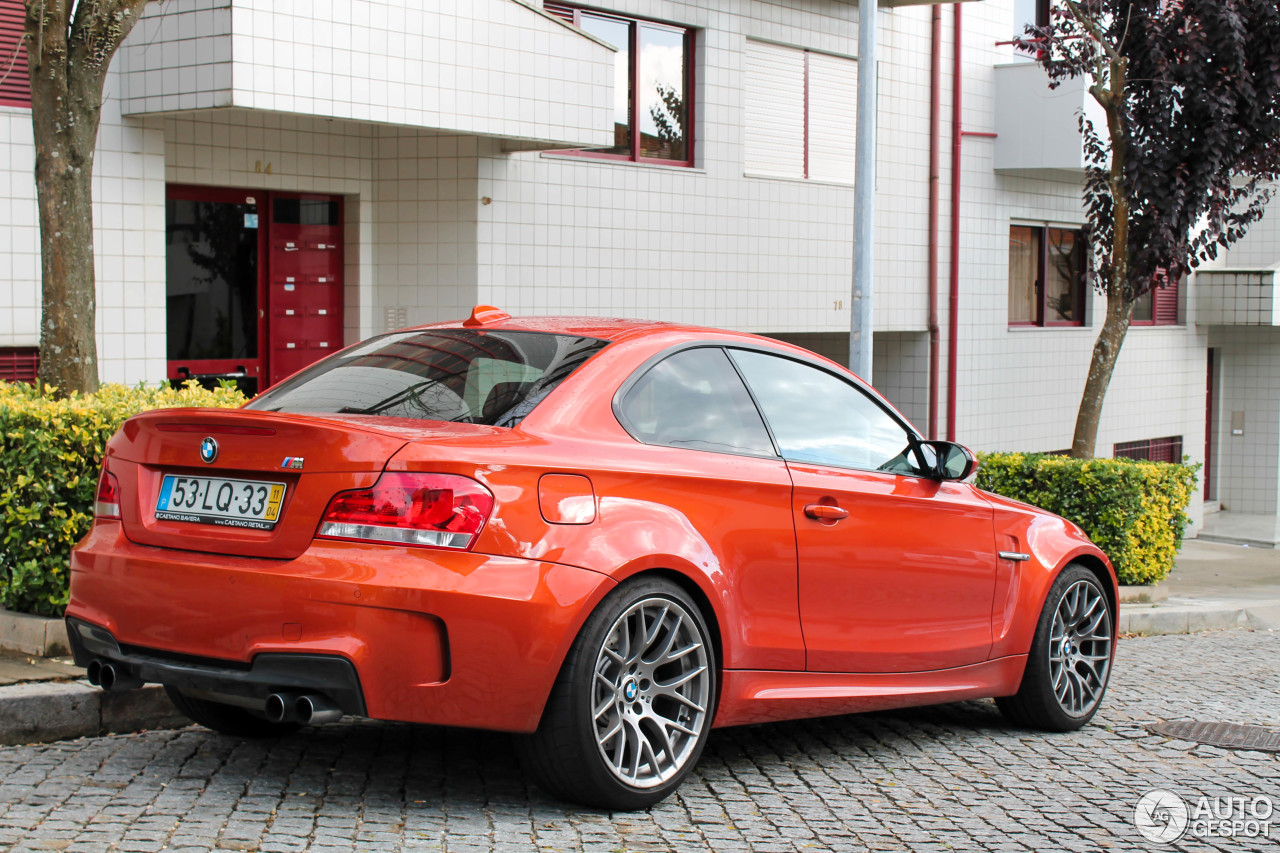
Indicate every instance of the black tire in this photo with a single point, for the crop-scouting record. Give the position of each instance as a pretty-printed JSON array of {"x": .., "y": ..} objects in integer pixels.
[
  {"x": 1069, "y": 663},
  {"x": 567, "y": 755},
  {"x": 227, "y": 719}
]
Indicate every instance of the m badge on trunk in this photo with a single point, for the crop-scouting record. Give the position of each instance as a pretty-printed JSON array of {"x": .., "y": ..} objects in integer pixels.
[{"x": 294, "y": 462}]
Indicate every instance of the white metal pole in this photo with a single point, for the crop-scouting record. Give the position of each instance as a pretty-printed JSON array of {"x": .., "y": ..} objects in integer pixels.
[{"x": 864, "y": 195}]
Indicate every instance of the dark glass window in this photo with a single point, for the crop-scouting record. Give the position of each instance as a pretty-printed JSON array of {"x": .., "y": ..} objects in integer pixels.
[
  {"x": 695, "y": 399},
  {"x": 305, "y": 211},
  {"x": 818, "y": 417},
  {"x": 1046, "y": 276},
  {"x": 461, "y": 375},
  {"x": 652, "y": 105},
  {"x": 211, "y": 279}
]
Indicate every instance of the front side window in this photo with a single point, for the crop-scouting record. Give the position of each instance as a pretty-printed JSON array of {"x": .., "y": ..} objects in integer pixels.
[
  {"x": 818, "y": 417},
  {"x": 653, "y": 86},
  {"x": 461, "y": 375},
  {"x": 695, "y": 399},
  {"x": 1046, "y": 276}
]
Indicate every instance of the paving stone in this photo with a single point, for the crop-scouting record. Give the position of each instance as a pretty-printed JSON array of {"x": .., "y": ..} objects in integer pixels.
[{"x": 946, "y": 778}]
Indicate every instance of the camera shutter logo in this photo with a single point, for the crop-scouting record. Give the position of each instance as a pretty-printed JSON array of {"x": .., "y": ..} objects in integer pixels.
[{"x": 1161, "y": 816}]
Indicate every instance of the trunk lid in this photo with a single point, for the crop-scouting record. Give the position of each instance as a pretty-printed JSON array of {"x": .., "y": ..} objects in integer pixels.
[{"x": 312, "y": 457}]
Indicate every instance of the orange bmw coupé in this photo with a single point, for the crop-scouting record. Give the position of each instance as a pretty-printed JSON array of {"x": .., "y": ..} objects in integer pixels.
[{"x": 604, "y": 536}]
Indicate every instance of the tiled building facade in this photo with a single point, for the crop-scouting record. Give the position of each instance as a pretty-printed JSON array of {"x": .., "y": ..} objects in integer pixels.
[{"x": 443, "y": 135}]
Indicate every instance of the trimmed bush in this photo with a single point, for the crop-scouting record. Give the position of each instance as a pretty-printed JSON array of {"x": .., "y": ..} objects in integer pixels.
[
  {"x": 50, "y": 453},
  {"x": 1134, "y": 511}
]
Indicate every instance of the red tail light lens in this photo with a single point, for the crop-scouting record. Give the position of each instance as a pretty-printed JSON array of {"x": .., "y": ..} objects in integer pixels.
[
  {"x": 433, "y": 510},
  {"x": 107, "y": 504}
]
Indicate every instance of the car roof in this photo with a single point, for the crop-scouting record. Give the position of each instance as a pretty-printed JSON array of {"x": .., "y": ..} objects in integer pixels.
[{"x": 604, "y": 328}]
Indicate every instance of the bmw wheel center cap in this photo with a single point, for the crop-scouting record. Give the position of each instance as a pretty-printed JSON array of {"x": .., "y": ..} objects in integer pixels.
[
  {"x": 208, "y": 450},
  {"x": 629, "y": 691}
]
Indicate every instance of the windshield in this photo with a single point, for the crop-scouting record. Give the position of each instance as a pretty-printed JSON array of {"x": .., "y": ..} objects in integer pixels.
[{"x": 461, "y": 375}]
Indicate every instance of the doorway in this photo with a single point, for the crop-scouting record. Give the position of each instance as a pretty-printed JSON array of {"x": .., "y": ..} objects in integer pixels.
[
  {"x": 1210, "y": 433},
  {"x": 253, "y": 283}
]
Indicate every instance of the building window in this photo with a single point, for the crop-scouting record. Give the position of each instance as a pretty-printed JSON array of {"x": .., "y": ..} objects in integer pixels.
[
  {"x": 19, "y": 364},
  {"x": 801, "y": 116},
  {"x": 1151, "y": 449},
  {"x": 1046, "y": 276},
  {"x": 1158, "y": 306},
  {"x": 15, "y": 85},
  {"x": 653, "y": 86}
]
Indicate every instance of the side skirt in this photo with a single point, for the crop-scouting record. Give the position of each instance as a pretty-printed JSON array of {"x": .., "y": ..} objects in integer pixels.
[{"x": 758, "y": 696}]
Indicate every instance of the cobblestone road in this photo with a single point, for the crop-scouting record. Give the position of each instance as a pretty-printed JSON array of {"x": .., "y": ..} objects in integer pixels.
[{"x": 947, "y": 778}]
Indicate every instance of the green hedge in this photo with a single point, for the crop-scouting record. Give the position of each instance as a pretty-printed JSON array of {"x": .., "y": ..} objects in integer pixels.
[
  {"x": 1134, "y": 511},
  {"x": 50, "y": 453}
]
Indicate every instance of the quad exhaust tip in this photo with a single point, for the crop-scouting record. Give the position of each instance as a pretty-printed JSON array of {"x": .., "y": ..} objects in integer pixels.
[{"x": 306, "y": 708}]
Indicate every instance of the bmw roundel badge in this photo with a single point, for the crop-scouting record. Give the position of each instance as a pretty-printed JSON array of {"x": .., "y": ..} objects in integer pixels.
[{"x": 208, "y": 450}]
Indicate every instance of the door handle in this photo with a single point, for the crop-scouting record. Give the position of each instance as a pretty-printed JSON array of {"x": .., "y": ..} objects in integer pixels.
[{"x": 826, "y": 512}]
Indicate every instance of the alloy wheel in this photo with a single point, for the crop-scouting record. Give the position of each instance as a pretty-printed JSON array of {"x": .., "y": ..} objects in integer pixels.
[
  {"x": 650, "y": 692},
  {"x": 1080, "y": 648}
]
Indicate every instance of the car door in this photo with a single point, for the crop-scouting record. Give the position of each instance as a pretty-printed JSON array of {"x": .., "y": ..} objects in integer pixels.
[
  {"x": 896, "y": 570},
  {"x": 707, "y": 454}
]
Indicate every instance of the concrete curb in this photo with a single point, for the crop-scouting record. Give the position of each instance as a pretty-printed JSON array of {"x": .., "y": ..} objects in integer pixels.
[
  {"x": 43, "y": 636},
  {"x": 37, "y": 712},
  {"x": 1147, "y": 619}
]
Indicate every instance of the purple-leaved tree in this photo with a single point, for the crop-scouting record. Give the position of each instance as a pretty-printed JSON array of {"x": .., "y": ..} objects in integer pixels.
[{"x": 1191, "y": 93}]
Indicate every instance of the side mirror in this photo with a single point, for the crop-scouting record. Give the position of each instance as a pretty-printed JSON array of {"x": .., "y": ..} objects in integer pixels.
[{"x": 946, "y": 460}]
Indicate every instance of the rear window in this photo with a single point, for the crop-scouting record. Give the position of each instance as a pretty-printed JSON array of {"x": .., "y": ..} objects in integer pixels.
[{"x": 460, "y": 375}]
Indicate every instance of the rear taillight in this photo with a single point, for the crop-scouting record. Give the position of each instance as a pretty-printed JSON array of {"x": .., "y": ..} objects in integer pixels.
[
  {"x": 435, "y": 510},
  {"x": 107, "y": 504}
]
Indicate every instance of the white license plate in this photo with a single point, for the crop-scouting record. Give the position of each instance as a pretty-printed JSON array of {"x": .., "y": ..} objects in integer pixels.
[{"x": 218, "y": 500}]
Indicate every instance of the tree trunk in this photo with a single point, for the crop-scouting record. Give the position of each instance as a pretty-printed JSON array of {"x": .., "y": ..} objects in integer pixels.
[
  {"x": 69, "y": 47},
  {"x": 1105, "y": 352},
  {"x": 64, "y": 175}
]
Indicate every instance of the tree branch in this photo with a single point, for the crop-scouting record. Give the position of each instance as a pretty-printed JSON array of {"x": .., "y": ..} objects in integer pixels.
[{"x": 1091, "y": 26}]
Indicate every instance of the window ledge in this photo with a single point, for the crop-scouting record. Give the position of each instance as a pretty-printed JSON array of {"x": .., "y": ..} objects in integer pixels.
[
  {"x": 763, "y": 176},
  {"x": 1084, "y": 328},
  {"x": 609, "y": 161}
]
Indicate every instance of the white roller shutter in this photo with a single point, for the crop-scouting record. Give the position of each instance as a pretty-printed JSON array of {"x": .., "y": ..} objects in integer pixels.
[
  {"x": 833, "y": 117},
  {"x": 774, "y": 107}
]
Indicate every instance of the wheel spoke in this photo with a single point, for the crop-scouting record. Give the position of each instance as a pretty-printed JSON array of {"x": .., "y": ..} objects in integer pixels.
[
  {"x": 652, "y": 634},
  {"x": 672, "y": 693},
  {"x": 672, "y": 636}
]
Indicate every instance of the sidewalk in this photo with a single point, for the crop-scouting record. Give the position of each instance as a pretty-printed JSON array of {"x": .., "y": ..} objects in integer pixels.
[{"x": 1213, "y": 585}]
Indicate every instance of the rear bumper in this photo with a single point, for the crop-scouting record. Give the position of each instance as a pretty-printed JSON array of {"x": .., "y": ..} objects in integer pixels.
[
  {"x": 436, "y": 637},
  {"x": 331, "y": 676}
]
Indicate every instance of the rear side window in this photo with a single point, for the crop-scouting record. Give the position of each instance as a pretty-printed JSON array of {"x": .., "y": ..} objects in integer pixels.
[
  {"x": 696, "y": 400},
  {"x": 461, "y": 375}
]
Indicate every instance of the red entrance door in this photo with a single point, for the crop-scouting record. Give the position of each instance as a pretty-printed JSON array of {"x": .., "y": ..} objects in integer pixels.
[
  {"x": 305, "y": 281},
  {"x": 254, "y": 283}
]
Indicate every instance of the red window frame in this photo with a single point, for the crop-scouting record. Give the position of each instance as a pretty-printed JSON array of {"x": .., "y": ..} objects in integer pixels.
[
  {"x": 573, "y": 15},
  {"x": 20, "y": 364},
  {"x": 1164, "y": 306},
  {"x": 1042, "y": 267},
  {"x": 1168, "y": 449},
  {"x": 15, "y": 81}
]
